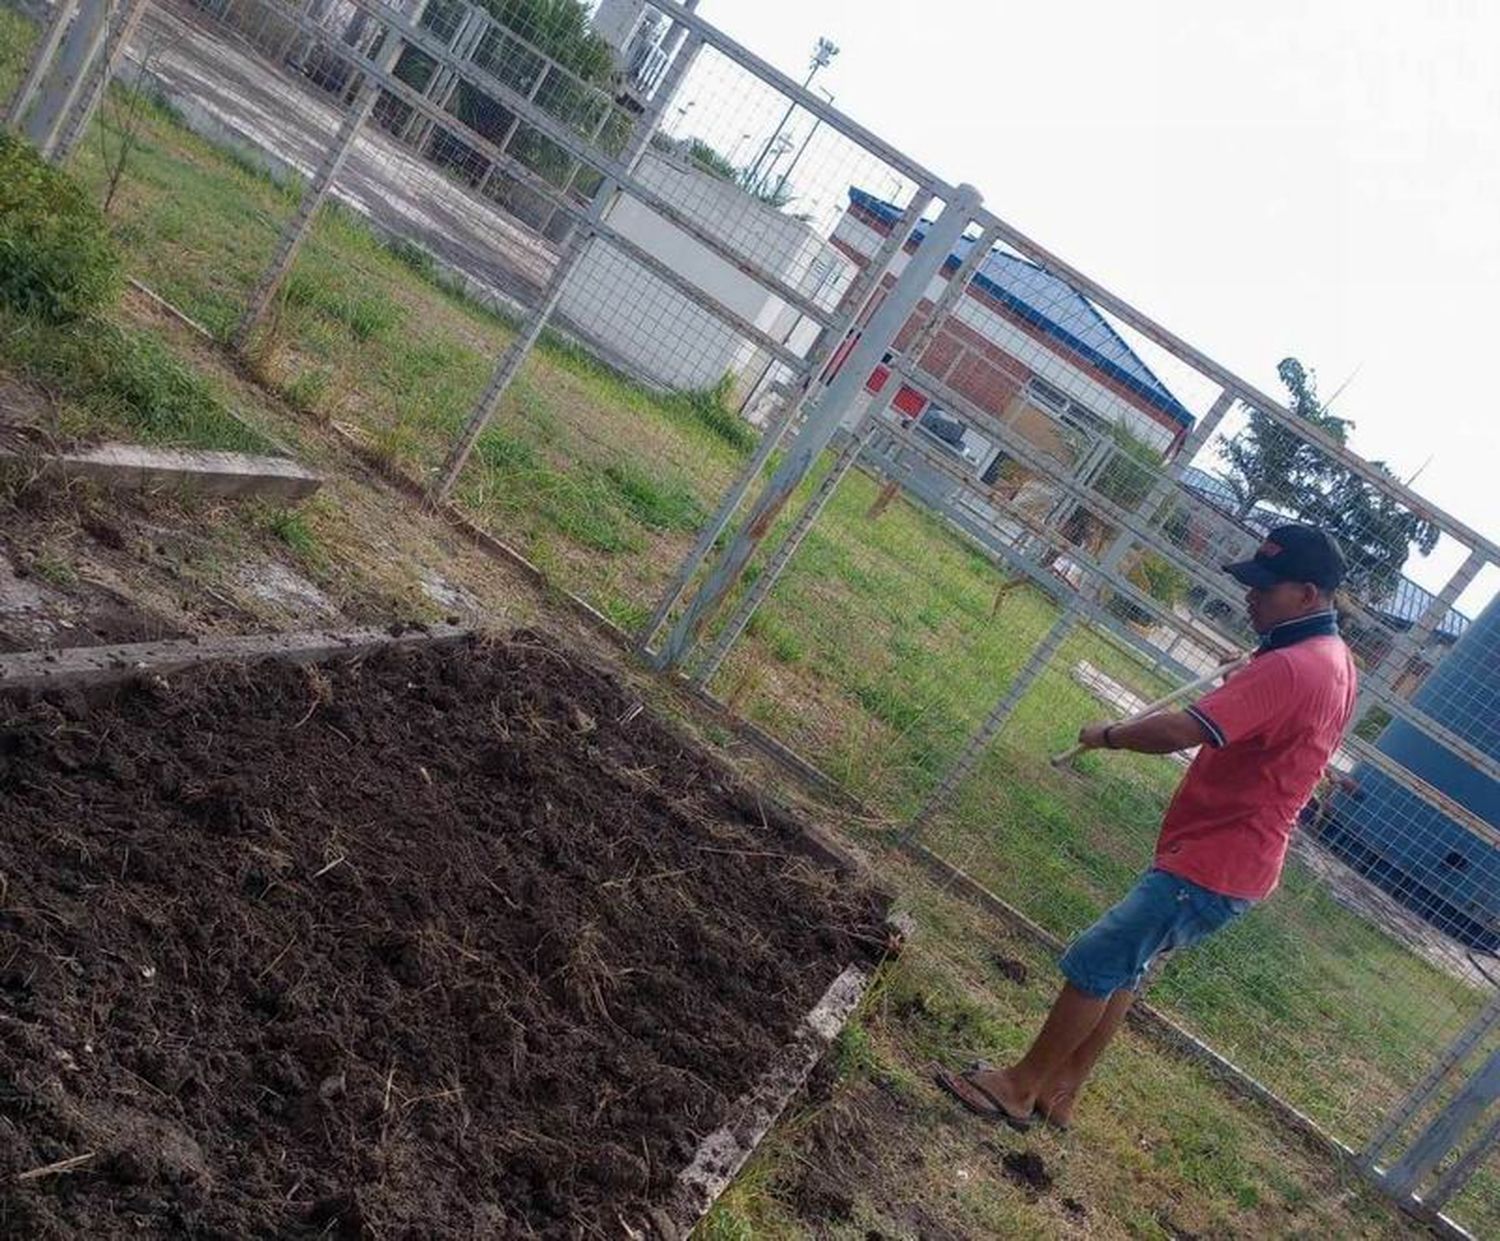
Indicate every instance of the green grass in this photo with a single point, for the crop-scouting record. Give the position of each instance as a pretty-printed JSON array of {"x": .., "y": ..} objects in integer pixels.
[
  {"x": 658, "y": 505},
  {"x": 325, "y": 292},
  {"x": 120, "y": 383},
  {"x": 18, "y": 34},
  {"x": 292, "y": 529},
  {"x": 53, "y": 568},
  {"x": 877, "y": 654},
  {"x": 1153, "y": 1153},
  {"x": 585, "y": 470}
]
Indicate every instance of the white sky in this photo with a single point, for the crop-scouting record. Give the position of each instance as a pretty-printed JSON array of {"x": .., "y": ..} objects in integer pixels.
[{"x": 1264, "y": 177}]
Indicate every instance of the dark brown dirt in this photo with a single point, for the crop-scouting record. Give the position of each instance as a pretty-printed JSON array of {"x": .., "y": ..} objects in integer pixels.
[
  {"x": 1010, "y": 969},
  {"x": 818, "y": 1196},
  {"x": 440, "y": 944},
  {"x": 1028, "y": 1170}
]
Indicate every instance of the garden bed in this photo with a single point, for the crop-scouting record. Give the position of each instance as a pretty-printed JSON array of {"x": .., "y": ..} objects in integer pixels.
[{"x": 447, "y": 940}]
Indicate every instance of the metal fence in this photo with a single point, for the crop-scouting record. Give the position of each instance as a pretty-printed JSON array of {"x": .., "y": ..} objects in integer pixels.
[{"x": 851, "y": 452}]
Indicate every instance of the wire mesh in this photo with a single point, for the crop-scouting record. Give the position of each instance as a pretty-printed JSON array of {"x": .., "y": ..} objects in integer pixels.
[
  {"x": 1338, "y": 990},
  {"x": 1036, "y": 469},
  {"x": 1023, "y": 471},
  {"x": 700, "y": 299},
  {"x": 164, "y": 184}
]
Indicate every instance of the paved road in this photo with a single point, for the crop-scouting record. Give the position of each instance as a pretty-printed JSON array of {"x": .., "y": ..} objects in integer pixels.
[{"x": 228, "y": 92}]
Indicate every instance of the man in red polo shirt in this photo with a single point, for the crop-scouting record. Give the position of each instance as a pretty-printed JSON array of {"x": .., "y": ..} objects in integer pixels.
[{"x": 1266, "y": 736}]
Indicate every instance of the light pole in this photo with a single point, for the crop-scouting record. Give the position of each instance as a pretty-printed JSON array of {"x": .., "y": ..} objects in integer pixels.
[
  {"x": 823, "y": 52},
  {"x": 802, "y": 150},
  {"x": 780, "y": 147}
]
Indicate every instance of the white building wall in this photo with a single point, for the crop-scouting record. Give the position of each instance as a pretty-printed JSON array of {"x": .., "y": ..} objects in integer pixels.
[
  {"x": 616, "y": 21},
  {"x": 663, "y": 335}
]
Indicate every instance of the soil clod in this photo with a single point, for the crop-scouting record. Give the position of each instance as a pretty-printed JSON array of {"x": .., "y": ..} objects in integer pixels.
[
  {"x": 1028, "y": 1170},
  {"x": 1010, "y": 969}
]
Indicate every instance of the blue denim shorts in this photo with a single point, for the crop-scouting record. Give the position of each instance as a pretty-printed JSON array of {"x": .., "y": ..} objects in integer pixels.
[{"x": 1160, "y": 913}]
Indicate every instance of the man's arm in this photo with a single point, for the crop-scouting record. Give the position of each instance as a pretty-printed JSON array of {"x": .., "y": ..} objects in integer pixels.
[
  {"x": 1246, "y": 704},
  {"x": 1164, "y": 733}
]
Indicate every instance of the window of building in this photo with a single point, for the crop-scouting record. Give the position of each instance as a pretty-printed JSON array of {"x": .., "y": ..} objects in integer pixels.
[{"x": 1065, "y": 408}]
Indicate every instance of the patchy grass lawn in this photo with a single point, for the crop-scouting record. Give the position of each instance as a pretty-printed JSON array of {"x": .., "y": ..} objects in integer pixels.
[
  {"x": 18, "y": 35},
  {"x": 879, "y": 1152},
  {"x": 877, "y": 655},
  {"x": 107, "y": 380},
  {"x": 366, "y": 333}
]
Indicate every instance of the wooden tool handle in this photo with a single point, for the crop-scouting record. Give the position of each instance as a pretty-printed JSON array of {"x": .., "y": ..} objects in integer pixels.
[{"x": 1166, "y": 700}]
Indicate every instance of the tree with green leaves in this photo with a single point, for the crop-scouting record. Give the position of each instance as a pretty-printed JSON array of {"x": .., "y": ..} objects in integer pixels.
[
  {"x": 561, "y": 29},
  {"x": 1270, "y": 464}
]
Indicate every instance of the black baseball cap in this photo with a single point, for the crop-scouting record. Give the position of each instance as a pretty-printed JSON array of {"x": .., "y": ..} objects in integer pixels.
[{"x": 1292, "y": 554}]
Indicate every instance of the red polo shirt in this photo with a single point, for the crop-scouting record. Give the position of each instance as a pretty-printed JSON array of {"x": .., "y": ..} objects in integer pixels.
[{"x": 1273, "y": 726}]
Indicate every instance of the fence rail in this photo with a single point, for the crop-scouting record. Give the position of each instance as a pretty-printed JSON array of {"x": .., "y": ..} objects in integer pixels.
[{"x": 896, "y": 482}]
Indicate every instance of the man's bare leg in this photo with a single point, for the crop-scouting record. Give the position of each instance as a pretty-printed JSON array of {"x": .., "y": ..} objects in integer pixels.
[
  {"x": 1057, "y": 1097},
  {"x": 1074, "y": 1016}
]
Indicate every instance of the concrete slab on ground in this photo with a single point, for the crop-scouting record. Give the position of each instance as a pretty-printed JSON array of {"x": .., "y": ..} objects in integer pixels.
[
  {"x": 98, "y": 667},
  {"x": 233, "y": 475}
]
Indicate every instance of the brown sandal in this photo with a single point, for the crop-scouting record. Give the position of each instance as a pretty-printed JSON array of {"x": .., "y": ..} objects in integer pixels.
[
  {"x": 996, "y": 1111},
  {"x": 1039, "y": 1114}
]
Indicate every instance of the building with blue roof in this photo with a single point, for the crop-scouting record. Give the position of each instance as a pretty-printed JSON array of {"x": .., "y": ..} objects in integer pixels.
[{"x": 1025, "y": 337}]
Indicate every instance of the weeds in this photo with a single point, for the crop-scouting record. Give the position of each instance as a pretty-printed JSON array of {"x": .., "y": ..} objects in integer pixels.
[
  {"x": 414, "y": 259},
  {"x": 57, "y": 261},
  {"x": 17, "y": 34},
  {"x": 291, "y": 528},
  {"x": 113, "y": 378},
  {"x": 307, "y": 391},
  {"x": 54, "y": 569},
  {"x": 782, "y": 641},
  {"x": 710, "y": 408},
  {"x": 657, "y": 504},
  {"x": 364, "y": 317}
]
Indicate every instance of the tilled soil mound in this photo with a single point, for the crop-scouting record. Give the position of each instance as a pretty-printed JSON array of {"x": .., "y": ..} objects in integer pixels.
[{"x": 445, "y": 943}]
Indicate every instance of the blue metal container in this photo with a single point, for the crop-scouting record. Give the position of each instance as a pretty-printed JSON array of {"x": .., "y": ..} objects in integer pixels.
[{"x": 1432, "y": 864}]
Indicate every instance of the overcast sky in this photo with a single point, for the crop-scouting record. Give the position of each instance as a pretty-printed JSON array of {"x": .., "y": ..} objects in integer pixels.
[{"x": 1318, "y": 178}]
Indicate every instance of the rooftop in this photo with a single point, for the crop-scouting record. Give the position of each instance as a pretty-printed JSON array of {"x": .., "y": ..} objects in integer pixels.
[{"x": 1054, "y": 307}]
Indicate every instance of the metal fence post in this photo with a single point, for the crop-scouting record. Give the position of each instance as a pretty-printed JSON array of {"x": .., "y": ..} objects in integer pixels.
[
  {"x": 298, "y": 227},
  {"x": 41, "y": 60},
  {"x": 865, "y": 287},
  {"x": 975, "y": 747},
  {"x": 1446, "y": 1131},
  {"x": 1487, "y": 1019},
  {"x": 1457, "y": 1176},
  {"x": 869, "y": 424},
  {"x": 806, "y": 519},
  {"x": 510, "y": 361},
  {"x": 873, "y": 344},
  {"x": 88, "y": 102},
  {"x": 66, "y": 75}
]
